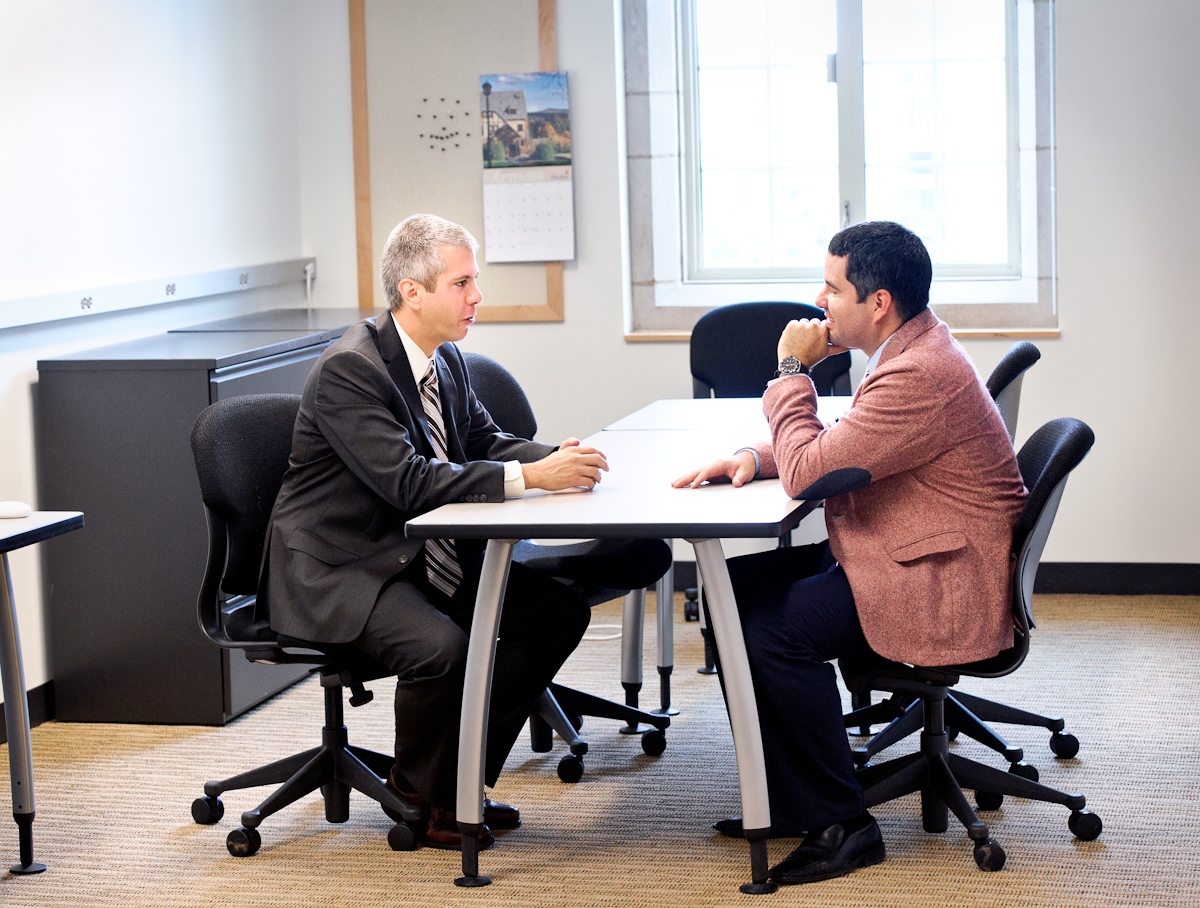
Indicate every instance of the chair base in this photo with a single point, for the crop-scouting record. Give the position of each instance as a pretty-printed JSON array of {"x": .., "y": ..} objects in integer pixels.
[
  {"x": 940, "y": 777},
  {"x": 335, "y": 767},
  {"x": 965, "y": 713},
  {"x": 561, "y": 709}
]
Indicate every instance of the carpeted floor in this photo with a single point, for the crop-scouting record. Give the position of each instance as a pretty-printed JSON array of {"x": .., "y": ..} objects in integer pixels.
[{"x": 113, "y": 819}]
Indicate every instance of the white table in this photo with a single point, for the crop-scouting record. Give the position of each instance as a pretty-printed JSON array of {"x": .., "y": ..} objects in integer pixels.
[
  {"x": 634, "y": 499},
  {"x": 15, "y": 534},
  {"x": 739, "y": 419}
]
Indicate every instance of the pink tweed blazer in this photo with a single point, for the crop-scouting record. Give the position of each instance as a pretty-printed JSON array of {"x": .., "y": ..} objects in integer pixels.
[{"x": 926, "y": 546}]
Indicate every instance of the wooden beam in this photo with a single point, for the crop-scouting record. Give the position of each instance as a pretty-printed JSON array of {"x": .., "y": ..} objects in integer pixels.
[
  {"x": 547, "y": 36},
  {"x": 362, "y": 157},
  {"x": 553, "y": 310}
]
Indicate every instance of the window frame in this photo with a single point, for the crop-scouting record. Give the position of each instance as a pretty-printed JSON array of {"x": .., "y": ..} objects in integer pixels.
[{"x": 666, "y": 299}]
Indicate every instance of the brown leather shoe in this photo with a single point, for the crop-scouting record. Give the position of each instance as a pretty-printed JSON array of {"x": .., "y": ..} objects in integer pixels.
[
  {"x": 499, "y": 815},
  {"x": 409, "y": 797},
  {"x": 443, "y": 831}
]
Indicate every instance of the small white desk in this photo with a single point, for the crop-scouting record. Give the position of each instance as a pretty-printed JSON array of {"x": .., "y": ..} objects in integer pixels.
[
  {"x": 634, "y": 499},
  {"x": 15, "y": 534}
]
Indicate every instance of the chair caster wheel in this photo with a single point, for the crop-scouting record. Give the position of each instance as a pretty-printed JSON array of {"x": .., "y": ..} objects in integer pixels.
[
  {"x": 1024, "y": 770},
  {"x": 243, "y": 842},
  {"x": 989, "y": 855},
  {"x": 951, "y": 733},
  {"x": 402, "y": 837},
  {"x": 207, "y": 811},
  {"x": 1085, "y": 824},
  {"x": 570, "y": 769},
  {"x": 1064, "y": 745},
  {"x": 654, "y": 743},
  {"x": 989, "y": 800},
  {"x": 576, "y": 721}
]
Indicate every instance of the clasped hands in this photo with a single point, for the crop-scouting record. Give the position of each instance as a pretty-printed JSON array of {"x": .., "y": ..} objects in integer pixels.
[
  {"x": 807, "y": 339},
  {"x": 573, "y": 464}
]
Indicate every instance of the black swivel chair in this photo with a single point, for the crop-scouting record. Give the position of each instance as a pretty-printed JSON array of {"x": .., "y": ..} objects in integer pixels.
[
  {"x": 1004, "y": 384},
  {"x": 600, "y": 570},
  {"x": 241, "y": 448},
  {"x": 733, "y": 351},
  {"x": 1046, "y": 460}
]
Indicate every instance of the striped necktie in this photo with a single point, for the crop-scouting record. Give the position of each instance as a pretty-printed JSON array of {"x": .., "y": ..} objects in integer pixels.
[{"x": 441, "y": 563}]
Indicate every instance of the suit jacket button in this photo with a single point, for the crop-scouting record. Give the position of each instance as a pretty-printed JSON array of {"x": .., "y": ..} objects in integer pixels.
[{"x": 403, "y": 559}]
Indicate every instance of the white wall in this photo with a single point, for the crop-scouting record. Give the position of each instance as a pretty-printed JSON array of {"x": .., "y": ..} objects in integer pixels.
[{"x": 142, "y": 139}]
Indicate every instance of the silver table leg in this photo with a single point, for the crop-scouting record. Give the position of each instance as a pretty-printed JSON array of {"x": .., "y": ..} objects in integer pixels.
[
  {"x": 665, "y": 612},
  {"x": 477, "y": 693},
  {"x": 743, "y": 709},
  {"x": 633, "y": 621},
  {"x": 16, "y": 718}
]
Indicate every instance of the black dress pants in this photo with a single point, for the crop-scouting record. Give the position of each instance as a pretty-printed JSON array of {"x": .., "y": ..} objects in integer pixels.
[
  {"x": 421, "y": 634},
  {"x": 797, "y": 613}
]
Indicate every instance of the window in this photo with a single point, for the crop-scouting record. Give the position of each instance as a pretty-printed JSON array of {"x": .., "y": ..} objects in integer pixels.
[{"x": 797, "y": 117}]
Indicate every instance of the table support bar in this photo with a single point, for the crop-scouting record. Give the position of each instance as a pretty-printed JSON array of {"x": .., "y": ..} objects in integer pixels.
[
  {"x": 743, "y": 710},
  {"x": 16, "y": 719},
  {"x": 477, "y": 690}
]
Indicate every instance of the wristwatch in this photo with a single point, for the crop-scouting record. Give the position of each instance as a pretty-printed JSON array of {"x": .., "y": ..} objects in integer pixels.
[{"x": 789, "y": 365}]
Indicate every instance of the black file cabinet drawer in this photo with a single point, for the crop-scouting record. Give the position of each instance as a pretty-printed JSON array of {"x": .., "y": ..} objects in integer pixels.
[{"x": 113, "y": 440}]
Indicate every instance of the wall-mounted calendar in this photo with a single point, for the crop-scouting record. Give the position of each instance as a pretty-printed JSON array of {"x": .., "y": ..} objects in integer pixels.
[{"x": 528, "y": 200}]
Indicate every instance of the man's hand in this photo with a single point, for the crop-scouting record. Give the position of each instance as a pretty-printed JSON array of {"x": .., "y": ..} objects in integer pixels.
[
  {"x": 739, "y": 470},
  {"x": 573, "y": 464},
  {"x": 807, "y": 339}
]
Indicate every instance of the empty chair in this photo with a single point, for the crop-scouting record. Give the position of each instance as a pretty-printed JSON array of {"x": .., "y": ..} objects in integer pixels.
[
  {"x": 600, "y": 570},
  {"x": 1046, "y": 460},
  {"x": 733, "y": 350},
  {"x": 241, "y": 447},
  {"x": 1004, "y": 384}
]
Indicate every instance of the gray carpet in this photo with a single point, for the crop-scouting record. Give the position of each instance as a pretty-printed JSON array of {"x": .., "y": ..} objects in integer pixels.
[{"x": 113, "y": 818}]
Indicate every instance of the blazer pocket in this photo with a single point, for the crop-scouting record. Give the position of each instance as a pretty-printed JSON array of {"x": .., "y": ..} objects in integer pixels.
[
  {"x": 930, "y": 545},
  {"x": 302, "y": 540}
]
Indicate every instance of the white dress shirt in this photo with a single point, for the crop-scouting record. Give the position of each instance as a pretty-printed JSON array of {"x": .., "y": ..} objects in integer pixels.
[{"x": 514, "y": 478}]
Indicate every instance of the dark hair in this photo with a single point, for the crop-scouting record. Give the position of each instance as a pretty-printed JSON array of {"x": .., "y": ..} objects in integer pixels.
[{"x": 886, "y": 256}]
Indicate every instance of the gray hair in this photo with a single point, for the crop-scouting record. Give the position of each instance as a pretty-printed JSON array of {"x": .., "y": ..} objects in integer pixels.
[{"x": 411, "y": 252}]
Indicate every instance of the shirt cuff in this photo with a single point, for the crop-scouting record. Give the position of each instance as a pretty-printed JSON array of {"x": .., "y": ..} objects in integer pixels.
[
  {"x": 514, "y": 479},
  {"x": 757, "y": 462}
]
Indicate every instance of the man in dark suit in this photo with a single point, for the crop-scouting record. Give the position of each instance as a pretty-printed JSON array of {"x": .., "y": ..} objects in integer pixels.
[{"x": 389, "y": 428}]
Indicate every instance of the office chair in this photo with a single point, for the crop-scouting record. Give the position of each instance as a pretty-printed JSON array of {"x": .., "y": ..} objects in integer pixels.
[
  {"x": 733, "y": 351},
  {"x": 968, "y": 714},
  {"x": 1004, "y": 384},
  {"x": 600, "y": 570},
  {"x": 241, "y": 447},
  {"x": 1046, "y": 460}
]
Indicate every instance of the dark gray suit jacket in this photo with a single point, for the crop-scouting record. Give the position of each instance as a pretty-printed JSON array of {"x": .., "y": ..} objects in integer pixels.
[{"x": 362, "y": 464}]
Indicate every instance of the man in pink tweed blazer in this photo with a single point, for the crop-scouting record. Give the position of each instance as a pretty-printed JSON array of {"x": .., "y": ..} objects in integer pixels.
[{"x": 917, "y": 567}]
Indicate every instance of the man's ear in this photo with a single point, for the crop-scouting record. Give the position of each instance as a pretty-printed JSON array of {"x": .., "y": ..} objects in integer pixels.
[
  {"x": 882, "y": 305},
  {"x": 410, "y": 293}
]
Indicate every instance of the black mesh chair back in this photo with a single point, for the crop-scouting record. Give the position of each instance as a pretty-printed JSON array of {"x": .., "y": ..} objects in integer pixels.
[
  {"x": 1004, "y": 384},
  {"x": 733, "y": 350},
  {"x": 241, "y": 448},
  {"x": 501, "y": 395}
]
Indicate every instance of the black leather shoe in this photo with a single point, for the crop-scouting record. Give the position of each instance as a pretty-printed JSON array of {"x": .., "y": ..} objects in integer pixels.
[
  {"x": 732, "y": 827},
  {"x": 499, "y": 815},
  {"x": 832, "y": 851}
]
